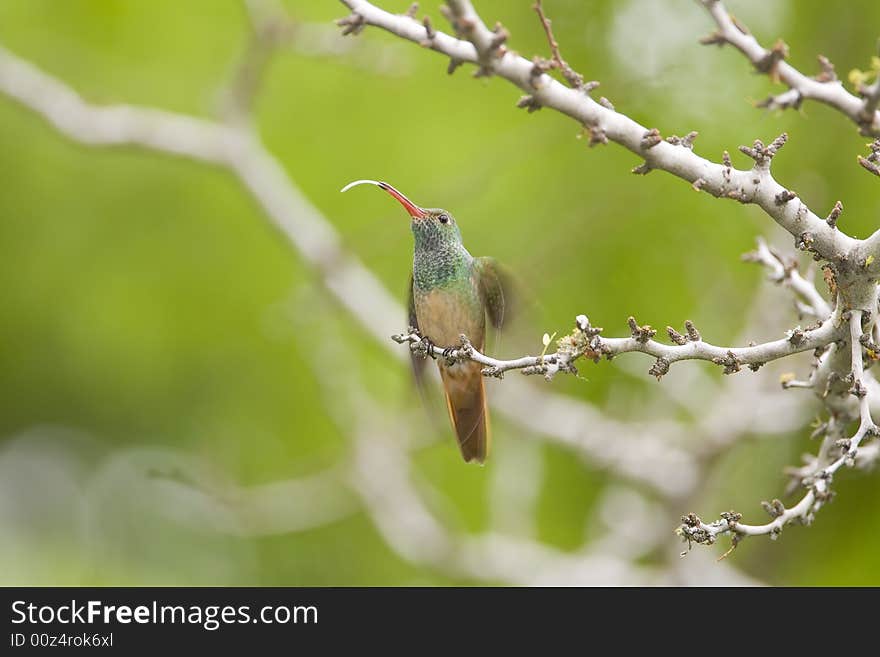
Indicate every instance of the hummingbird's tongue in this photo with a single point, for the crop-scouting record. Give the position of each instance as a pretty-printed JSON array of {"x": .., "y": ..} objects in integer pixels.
[{"x": 414, "y": 210}]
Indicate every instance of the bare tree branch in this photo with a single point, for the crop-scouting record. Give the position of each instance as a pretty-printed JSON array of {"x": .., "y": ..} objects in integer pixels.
[
  {"x": 585, "y": 341},
  {"x": 647, "y": 454},
  {"x": 574, "y": 79},
  {"x": 755, "y": 185},
  {"x": 824, "y": 88},
  {"x": 818, "y": 482},
  {"x": 852, "y": 264},
  {"x": 399, "y": 503},
  {"x": 785, "y": 271}
]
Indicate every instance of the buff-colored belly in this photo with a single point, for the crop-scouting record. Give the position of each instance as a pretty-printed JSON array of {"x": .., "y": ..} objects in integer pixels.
[{"x": 443, "y": 316}]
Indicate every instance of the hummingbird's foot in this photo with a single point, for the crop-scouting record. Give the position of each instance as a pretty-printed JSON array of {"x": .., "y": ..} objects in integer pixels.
[
  {"x": 428, "y": 347},
  {"x": 448, "y": 355}
]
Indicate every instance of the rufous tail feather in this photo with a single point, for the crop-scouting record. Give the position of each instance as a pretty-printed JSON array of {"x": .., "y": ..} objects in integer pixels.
[{"x": 466, "y": 401}]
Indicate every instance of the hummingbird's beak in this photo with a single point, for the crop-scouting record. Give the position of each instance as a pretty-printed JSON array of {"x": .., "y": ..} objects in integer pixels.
[{"x": 414, "y": 210}]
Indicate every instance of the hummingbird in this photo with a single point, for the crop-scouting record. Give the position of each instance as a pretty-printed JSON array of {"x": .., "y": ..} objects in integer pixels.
[{"x": 452, "y": 293}]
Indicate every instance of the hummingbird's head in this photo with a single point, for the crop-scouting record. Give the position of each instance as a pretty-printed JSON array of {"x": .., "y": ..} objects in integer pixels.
[
  {"x": 432, "y": 228},
  {"x": 436, "y": 228}
]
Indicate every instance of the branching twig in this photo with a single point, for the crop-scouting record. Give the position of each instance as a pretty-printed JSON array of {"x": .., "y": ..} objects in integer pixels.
[
  {"x": 853, "y": 264},
  {"x": 240, "y": 151},
  {"x": 755, "y": 185},
  {"x": 574, "y": 79},
  {"x": 585, "y": 341},
  {"x": 824, "y": 88},
  {"x": 818, "y": 482},
  {"x": 785, "y": 272}
]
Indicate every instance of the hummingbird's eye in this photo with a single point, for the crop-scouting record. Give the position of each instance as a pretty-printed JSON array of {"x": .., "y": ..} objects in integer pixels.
[{"x": 443, "y": 218}]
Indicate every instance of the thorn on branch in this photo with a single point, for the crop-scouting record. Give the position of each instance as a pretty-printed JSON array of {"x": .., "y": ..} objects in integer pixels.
[
  {"x": 687, "y": 141},
  {"x": 640, "y": 333},
  {"x": 597, "y": 136},
  {"x": 774, "y": 509},
  {"x": 412, "y": 10},
  {"x": 827, "y": 74},
  {"x": 529, "y": 103},
  {"x": 676, "y": 337},
  {"x": 659, "y": 368},
  {"x": 352, "y": 24},
  {"x": 453, "y": 65},
  {"x": 872, "y": 162},
  {"x": 501, "y": 35},
  {"x": 714, "y": 39},
  {"x": 697, "y": 185},
  {"x": 429, "y": 30},
  {"x": 777, "y": 144},
  {"x": 833, "y": 216},
  {"x": 651, "y": 139},
  {"x": 784, "y": 197},
  {"x": 692, "y": 332},
  {"x": 793, "y": 98},
  {"x": 730, "y": 362},
  {"x": 769, "y": 63},
  {"x": 604, "y": 102},
  {"x": 575, "y": 79},
  {"x": 540, "y": 66},
  {"x": 642, "y": 170},
  {"x": 499, "y": 373},
  {"x": 762, "y": 155}
]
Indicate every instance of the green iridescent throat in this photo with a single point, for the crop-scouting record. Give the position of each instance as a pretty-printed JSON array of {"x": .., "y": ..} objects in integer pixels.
[{"x": 439, "y": 259}]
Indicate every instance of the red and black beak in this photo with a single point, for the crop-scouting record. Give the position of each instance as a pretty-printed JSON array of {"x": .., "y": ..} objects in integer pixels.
[{"x": 414, "y": 210}]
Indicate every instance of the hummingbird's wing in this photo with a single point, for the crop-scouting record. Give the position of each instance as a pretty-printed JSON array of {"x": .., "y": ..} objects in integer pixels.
[
  {"x": 418, "y": 363},
  {"x": 496, "y": 288}
]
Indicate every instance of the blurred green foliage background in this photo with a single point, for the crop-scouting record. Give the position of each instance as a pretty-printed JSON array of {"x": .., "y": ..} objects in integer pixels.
[{"x": 146, "y": 302}]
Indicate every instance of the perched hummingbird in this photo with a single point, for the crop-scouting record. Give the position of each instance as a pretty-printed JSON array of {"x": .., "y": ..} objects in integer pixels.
[{"x": 450, "y": 294}]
